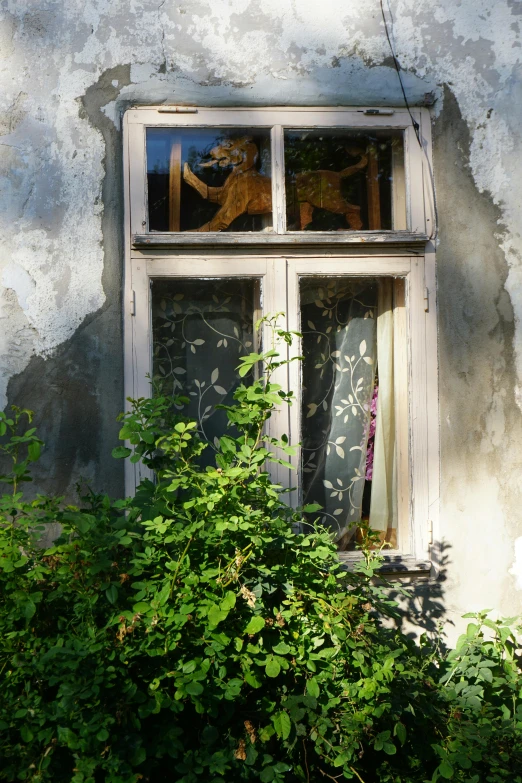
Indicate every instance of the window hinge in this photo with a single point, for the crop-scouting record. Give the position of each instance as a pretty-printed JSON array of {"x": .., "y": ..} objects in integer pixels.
[
  {"x": 178, "y": 110},
  {"x": 426, "y": 300},
  {"x": 133, "y": 303},
  {"x": 381, "y": 112},
  {"x": 430, "y": 532}
]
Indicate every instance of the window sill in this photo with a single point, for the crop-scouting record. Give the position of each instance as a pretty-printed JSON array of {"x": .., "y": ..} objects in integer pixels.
[
  {"x": 393, "y": 565},
  {"x": 267, "y": 239}
]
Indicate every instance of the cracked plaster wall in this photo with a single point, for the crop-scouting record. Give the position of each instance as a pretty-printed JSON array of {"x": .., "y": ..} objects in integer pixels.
[{"x": 68, "y": 69}]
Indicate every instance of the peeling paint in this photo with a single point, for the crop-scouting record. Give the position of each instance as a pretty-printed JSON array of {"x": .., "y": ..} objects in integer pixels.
[{"x": 70, "y": 69}]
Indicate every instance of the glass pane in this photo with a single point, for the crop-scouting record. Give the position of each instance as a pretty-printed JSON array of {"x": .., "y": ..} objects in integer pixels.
[
  {"x": 339, "y": 180},
  {"x": 202, "y": 179},
  {"x": 349, "y": 403},
  {"x": 200, "y": 328}
]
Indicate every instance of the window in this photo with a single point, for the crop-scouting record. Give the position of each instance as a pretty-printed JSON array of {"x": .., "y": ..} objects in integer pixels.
[{"x": 324, "y": 215}]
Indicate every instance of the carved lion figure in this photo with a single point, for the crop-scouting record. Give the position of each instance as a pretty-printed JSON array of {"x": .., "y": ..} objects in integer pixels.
[
  {"x": 245, "y": 189},
  {"x": 323, "y": 189}
]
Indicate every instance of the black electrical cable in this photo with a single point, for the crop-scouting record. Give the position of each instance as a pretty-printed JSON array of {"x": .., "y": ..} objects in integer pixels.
[
  {"x": 396, "y": 63},
  {"x": 416, "y": 126}
]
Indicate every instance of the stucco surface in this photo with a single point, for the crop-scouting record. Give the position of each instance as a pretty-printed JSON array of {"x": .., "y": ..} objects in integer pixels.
[{"x": 67, "y": 71}]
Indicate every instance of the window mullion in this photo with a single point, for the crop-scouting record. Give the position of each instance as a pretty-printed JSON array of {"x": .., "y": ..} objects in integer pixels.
[{"x": 278, "y": 179}]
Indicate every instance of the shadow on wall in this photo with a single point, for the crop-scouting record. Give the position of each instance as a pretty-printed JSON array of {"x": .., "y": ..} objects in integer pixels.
[{"x": 421, "y": 601}]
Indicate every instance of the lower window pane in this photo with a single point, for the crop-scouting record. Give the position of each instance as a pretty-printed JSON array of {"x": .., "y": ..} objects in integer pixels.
[
  {"x": 354, "y": 403},
  {"x": 200, "y": 329}
]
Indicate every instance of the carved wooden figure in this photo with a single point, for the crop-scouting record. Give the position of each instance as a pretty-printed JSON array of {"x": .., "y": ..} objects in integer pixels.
[
  {"x": 245, "y": 189},
  {"x": 323, "y": 189}
]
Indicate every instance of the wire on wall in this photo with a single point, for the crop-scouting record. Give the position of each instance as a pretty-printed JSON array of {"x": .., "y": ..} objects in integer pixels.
[{"x": 415, "y": 124}]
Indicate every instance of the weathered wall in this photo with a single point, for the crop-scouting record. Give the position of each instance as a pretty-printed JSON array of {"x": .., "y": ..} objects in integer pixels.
[{"x": 68, "y": 70}]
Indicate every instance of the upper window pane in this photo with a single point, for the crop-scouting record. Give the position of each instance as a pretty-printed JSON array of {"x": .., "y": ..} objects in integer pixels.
[
  {"x": 202, "y": 179},
  {"x": 342, "y": 180}
]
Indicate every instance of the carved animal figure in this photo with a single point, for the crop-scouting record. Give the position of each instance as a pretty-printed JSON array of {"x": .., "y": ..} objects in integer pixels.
[
  {"x": 245, "y": 189},
  {"x": 323, "y": 189}
]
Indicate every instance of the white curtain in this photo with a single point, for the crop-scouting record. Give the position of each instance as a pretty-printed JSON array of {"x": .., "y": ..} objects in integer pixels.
[{"x": 383, "y": 506}]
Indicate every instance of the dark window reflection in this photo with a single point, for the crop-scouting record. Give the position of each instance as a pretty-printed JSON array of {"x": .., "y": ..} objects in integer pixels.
[
  {"x": 208, "y": 180},
  {"x": 200, "y": 330}
]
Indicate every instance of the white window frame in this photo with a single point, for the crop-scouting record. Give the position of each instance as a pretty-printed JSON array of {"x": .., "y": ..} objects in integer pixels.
[{"x": 280, "y": 257}]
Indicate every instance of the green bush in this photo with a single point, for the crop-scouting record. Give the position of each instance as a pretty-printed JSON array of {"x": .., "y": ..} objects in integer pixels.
[{"x": 189, "y": 634}]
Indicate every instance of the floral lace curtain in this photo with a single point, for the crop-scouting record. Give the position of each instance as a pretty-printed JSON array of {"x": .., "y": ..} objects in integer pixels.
[
  {"x": 200, "y": 329},
  {"x": 346, "y": 322}
]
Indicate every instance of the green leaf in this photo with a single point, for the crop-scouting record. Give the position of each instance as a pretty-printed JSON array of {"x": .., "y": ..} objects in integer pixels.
[
  {"x": 312, "y": 688},
  {"x": 216, "y": 616},
  {"x": 282, "y": 724},
  {"x": 272, "y": 667},
  {"x": 102, "y": 735},
  {"x": 255, "y": 625},
  {"x": 194, "y": 688},
  {"x": 253, "y": 680},
  {"x": 29, "y": 609},
  {"x": 138, "y": 757},
  {"x": 112, "y": 594},
  {"x": 120, "y": 452},
  {"x": 34, "y": 450},
  {"x": 445, "y": 769},
  {"x": 66, "y": 736},
  {"x": 141, "y": 607},
  {"x": 229, "y": 601},
  {"x": 26, "y": 733},
  {"x": 400, "y": 732},
  {"x": 210, "y": 735},
  {"x": 281, "y": 649}
]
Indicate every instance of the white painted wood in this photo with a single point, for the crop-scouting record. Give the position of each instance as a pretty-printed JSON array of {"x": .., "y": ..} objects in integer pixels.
[
  {"x": 286, "y": 240},
  {"x": 295, "y": 368},
  {"x": 181, "y": 266},
  {"x": 141, "y": 354},
  {"x": 278, "y": 179},
  {"x": 361, "y": 266},
  {"x": 135, "y": 147},
  {"x": 268, "y": 116},
  {"x": 402, "y": 428},
  {"x": 399, "y": 209},
  {"x": 427, "y": 175},
  {"x": 414, "y": 162},
  {"x": 279, "y": 422},
  {"x": 418, "y": 410},
  {"x": 432, "y": 400},
  {"x": 129, "y": 367}
]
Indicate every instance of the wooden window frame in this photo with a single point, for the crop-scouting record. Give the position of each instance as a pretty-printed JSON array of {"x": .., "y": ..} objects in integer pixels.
[{"x": 280, "y": 257}]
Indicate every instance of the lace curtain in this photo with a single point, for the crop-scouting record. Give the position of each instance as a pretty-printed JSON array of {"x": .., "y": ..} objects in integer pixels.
[
  {"x": 347, "y": 326},
  {"x": 200, "y": 329}
]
